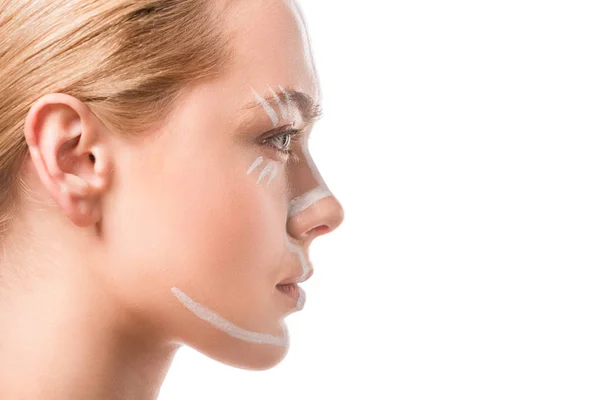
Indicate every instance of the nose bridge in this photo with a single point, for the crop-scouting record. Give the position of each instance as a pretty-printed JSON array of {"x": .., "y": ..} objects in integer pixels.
[
  {"x": 305, "y": 175},
  {"x": 313, "y": 210}
]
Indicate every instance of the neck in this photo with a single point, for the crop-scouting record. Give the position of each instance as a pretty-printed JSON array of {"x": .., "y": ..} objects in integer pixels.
[{"x": 61, "y": 339}]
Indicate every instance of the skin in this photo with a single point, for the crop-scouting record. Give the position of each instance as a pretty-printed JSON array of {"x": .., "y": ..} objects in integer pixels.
[{"x": 99, "y": 246}]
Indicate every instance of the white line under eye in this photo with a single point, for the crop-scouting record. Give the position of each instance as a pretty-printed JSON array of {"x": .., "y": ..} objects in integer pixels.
[
  {"x": 267, "y": 170},
  {"x": 256, "y": 163}
]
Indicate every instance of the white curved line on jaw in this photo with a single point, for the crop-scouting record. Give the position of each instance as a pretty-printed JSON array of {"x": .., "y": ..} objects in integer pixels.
[
  {"x": 256, "y": 163},
  {"x": 309, "y": 198},
  {"x": 221, "y": 323},
  {"x": 284, "y": 111},
  {"x": 270, "y": 112}
]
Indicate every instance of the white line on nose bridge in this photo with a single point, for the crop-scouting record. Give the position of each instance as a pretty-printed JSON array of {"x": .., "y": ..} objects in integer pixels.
[{"x": 301, "y": 203}]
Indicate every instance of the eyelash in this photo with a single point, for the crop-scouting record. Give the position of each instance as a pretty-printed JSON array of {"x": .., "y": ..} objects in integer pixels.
[{"x": 294, "y": 134}]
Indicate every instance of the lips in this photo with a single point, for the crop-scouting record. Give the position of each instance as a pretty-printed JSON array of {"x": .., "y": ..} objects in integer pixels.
[
  {"x": 291, "y": 293},
  {"x": 290, "y": 289}
]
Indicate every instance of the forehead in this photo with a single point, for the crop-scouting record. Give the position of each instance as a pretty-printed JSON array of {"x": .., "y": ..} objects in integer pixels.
[{"x": 271, "y": 47}]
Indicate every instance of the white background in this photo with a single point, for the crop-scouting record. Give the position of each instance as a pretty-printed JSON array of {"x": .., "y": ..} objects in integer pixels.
[{"x": 462, "y": 138}]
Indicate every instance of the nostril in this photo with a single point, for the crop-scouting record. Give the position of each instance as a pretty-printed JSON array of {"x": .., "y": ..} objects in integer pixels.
[{"x": 320, "y": 230}]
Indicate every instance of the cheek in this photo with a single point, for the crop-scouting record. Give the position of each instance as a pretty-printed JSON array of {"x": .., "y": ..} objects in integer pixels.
[
  {"x": 236, "y": 230},
  {"x": 233, "y": 264},
  {"x": 218, "y": 236}
]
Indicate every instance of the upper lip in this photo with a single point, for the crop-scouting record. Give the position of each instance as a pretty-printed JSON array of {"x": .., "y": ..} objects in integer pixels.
[{"x": 297, "y": 279}]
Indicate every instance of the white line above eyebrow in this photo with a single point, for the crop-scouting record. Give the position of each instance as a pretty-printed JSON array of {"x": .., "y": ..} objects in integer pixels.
[
  {"x": 221, "y": 323},
  {"x": 270, "y": 112},
  {"x": 258, "y": 161},
  {"x": 288, "y": 100},
  {"x": 284, "y": 111}
]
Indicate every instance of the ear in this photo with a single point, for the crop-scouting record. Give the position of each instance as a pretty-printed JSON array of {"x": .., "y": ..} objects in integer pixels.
[{"x": 68, "y": 145}]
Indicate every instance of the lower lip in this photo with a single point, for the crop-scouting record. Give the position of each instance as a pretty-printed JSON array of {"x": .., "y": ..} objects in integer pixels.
[{"x": 291, "y": 292}]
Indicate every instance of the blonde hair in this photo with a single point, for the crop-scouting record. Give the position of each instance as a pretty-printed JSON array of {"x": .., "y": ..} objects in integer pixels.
[{"x": 128, "y": 60}]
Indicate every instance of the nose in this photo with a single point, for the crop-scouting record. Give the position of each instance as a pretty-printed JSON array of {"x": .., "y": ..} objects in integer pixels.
[{"x": 316, "y": 217}]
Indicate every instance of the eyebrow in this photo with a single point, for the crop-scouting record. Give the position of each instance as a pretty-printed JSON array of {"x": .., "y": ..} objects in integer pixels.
[{"x": 309, "y": 109}]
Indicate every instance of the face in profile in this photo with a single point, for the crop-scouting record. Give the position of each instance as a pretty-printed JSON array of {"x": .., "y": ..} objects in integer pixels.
[{"x": 212, "y": 218}]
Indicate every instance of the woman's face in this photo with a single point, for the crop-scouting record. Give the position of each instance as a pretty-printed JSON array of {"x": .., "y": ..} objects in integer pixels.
[{"x": 211, "y": 216}]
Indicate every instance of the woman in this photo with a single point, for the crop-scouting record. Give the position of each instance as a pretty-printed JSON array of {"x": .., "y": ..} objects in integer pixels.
[{"x": 157, "y": 189}]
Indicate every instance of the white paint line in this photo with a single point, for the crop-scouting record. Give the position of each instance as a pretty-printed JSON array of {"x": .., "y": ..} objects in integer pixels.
[
  {"x": 273, "y": 174},
  {"x": 266, "y": 171},
  {"x": 288, "y": 101},
  {"x": 301, "y": 300},
  {"x": 270, "y": 112},
  {"x": 300, "y": 253},
  {"x": 309, "y": 198},
  {"x": 284, "y": 111},
  {"x": 221, "y": 323},
  {"x": 312, "y": 165},
  {"x": 256, "y": 163}
]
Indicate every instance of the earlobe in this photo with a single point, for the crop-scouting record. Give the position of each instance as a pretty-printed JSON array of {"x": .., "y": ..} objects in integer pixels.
[{"x": 69, "y": 153}]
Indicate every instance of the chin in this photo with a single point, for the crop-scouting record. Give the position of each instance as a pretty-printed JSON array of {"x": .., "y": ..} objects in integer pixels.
[
  {"x": 243, "y": 354},
  {"x": 268, "y": 358}
]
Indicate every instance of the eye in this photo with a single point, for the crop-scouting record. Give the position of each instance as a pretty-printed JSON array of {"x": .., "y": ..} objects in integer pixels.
[{"x": 283, "y": 141}]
